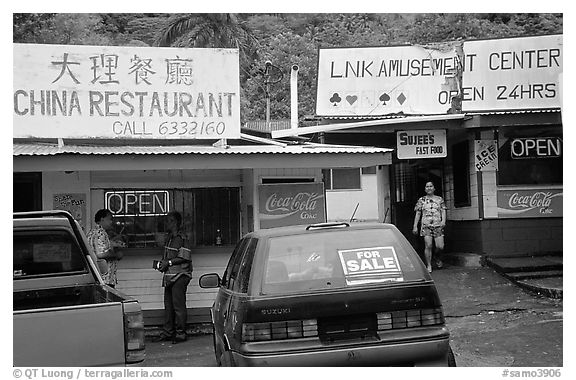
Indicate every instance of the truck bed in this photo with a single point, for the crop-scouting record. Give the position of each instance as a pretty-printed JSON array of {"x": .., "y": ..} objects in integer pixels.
[{"x": 63, "y": 297}]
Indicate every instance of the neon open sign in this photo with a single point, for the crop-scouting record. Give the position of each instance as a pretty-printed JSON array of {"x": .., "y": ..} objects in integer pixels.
[{"x": 138, "y": 202}]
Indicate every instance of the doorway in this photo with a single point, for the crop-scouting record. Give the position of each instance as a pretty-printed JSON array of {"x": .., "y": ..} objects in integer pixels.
[
  {"x": 408, "y": 181},
  {"x": 27, "y": 192}
]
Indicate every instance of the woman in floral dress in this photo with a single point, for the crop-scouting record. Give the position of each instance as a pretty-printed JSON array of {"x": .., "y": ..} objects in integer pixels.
[{"x": 431, "y": 213}]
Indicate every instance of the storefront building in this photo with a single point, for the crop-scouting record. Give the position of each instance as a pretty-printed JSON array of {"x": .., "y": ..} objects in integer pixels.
[
  {"x": 101, "y": 137},
  {"x": 480, "y": 119}
]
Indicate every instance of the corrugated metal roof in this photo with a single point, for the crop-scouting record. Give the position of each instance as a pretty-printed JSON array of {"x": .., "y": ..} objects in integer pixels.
[
  {"x": 40, "y": 149},
  {"x": 512, "y": 112},
  {"x": 383, "y": 117}
]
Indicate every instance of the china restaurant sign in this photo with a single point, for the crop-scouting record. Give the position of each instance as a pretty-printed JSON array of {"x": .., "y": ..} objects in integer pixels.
[
  {"x": 291, "y": 204},
  {"x": 67, "y": 91}
]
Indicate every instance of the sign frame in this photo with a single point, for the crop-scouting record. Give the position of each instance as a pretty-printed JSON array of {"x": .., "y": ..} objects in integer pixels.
[
  {"x": 125, "y": 92},
  {"x": 419, "y": 144}
]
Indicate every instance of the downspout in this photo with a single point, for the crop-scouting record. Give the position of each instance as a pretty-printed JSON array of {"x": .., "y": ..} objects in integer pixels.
[{"x": 294, "y": 97}]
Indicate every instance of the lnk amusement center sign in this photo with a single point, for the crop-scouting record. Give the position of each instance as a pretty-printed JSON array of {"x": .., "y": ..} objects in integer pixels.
[
  {"x": 66, "y": 91},
  {"x": 499, "y": 74}
]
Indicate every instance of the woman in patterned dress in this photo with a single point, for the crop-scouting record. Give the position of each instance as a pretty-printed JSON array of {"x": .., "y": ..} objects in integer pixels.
[
  {"x": 431, "y": 213},
  {"x": 100, "y": 242}
]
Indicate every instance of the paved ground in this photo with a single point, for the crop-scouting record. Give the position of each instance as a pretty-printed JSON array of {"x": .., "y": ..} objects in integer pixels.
[{"x": 492, "y": 322}]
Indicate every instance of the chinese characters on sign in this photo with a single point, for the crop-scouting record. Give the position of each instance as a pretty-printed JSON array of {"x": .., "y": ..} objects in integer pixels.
[{"x": 125, "y": 92}]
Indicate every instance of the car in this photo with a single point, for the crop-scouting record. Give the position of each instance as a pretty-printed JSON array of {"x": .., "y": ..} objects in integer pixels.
[{"x": 328, "y": 294}]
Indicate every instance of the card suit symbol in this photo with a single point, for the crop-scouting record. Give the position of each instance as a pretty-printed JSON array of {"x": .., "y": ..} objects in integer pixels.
[
  {"x": 351, "y": 99},
  {"x": 401, "y": 98},
  {"x": 384, "y": 98},
  {"x": 335, "y": 99}
]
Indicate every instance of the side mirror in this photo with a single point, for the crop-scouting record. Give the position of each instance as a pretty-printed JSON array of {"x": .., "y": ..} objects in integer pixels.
[{"x": 209, "y": 281}]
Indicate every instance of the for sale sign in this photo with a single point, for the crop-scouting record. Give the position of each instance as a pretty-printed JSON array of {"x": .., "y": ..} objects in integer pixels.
[{"x": 368, "y": 265}]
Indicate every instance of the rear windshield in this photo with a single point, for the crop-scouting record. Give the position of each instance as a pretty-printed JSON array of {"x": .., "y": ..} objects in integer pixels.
[
  {"x": 338, "y": 259},
  {"x": 45, "y": 253}
]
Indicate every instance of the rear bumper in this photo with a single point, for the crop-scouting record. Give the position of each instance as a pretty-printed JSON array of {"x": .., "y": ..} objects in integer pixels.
[{"x": 429, "y": 353}]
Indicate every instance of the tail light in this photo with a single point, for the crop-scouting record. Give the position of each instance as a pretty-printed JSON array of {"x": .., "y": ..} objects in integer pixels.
[
  {"x": 254, "y": 332},
  {"x": 134, "y": 336},
  {"x": 410, "y": 318}
]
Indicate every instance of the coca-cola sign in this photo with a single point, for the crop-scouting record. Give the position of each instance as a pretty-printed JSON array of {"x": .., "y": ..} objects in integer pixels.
[
  {"x": 291, "y": 204},
  {"x": 532, "y": 203}
]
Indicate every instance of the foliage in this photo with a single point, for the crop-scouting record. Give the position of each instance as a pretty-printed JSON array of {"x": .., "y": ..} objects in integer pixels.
[{"x": 284, "y": 39}]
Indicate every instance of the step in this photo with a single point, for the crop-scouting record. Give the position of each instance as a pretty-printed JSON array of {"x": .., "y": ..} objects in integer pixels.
[
  {"x": 526, "y": 264},
  {"x": 536, "y": 274}
]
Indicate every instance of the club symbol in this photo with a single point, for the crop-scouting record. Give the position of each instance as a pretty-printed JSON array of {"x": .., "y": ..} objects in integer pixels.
[
  {"x": 335, "y": 99},
  {"x": 384, "y": 98}
]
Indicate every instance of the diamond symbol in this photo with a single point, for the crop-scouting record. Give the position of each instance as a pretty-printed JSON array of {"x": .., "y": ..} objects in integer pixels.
[{"x": 401, "y": 98}]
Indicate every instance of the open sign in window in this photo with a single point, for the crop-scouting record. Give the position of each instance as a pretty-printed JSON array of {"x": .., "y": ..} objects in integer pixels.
[{"x": 138, "y": 202}]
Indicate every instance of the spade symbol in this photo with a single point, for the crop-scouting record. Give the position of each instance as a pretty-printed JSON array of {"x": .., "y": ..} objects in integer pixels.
[
  {"x": 384, "y": 98},
  {"x": 335, "y": 99}
]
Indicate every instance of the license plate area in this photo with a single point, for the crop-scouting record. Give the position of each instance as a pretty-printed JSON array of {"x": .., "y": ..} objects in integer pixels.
[{"x": 348, "y": 327}]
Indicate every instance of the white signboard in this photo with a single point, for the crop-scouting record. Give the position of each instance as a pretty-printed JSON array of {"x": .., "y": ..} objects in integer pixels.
[
  {"x": 421, "y": 144},
  {"x": 512, "y": 73},
  {"x": 67, "y": 91},
  {"x": 485, "y": 155},
  {"x": 385, "y": 80}
]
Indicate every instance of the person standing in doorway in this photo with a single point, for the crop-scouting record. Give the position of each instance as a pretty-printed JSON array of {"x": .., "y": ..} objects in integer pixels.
[
  {"x": 176, "y": 266},
  {"x": 431, "y": 213},
  {"x": 103, "y": 247}
]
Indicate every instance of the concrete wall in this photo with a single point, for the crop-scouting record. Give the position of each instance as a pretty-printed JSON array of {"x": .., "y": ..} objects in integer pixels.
[
  {"x": 340, "y": 204},
  {"x": 503, "y": 237}
]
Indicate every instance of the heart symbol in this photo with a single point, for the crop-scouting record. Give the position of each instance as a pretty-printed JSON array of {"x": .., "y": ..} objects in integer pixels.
[
  {"x": 384, "y": 98},
  {"x": 335, "y": 99},
  {"x": 351, "y": 99}
]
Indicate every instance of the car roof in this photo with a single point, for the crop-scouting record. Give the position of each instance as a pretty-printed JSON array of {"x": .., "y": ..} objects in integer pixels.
[
  {"x": 42, "y": 219},
  {"x": 319, "y": 227}
]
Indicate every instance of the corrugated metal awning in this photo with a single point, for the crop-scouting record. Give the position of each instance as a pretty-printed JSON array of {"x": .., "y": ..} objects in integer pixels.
[
  {"x": 39, "y": 149},
  {"x": 28, "y": 157},
  {"x": 512, "y": 112}
]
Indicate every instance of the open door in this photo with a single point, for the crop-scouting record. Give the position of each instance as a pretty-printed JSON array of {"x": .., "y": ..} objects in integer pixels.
[{"x": 408, "y": 182}]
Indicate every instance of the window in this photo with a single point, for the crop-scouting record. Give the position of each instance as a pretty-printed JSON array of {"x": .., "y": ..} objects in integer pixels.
[
  {"x": 530, "y": 156},
  {"x": 461, "y": 172},
  {"x": 245, "y": 267},
  {"x": 139, "y": 215},
  {"x": 45, "y": 253},
  {"x": 311, "y": 262},
  {"x": 228, "y": 278},
  {"x": 342, "y": 179},
  {"x": 369, "y": 170}
]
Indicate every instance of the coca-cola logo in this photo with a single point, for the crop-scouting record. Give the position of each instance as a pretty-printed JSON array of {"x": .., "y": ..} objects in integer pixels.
[
  {"x": 291, "y": 204},
  {"x": 537, "y": 200}
]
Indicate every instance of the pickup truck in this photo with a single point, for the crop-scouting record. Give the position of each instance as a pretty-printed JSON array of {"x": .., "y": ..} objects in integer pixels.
[{"x": 64, "y": 314}]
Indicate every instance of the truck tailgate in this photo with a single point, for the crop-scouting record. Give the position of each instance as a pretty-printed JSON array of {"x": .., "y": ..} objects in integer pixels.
[{"x": 84, "y": 335}]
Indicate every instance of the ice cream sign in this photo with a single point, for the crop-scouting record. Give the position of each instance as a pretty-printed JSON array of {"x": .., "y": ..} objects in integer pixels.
[{"x": 367, "y": 265}]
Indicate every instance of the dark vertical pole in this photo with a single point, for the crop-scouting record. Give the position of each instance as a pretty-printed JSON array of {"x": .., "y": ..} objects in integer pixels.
[{"x": 480, "y": 185}]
